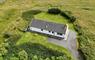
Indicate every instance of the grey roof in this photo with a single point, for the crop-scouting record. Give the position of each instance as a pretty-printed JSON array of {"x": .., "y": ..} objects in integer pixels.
[{"x": 50, "y": 26}]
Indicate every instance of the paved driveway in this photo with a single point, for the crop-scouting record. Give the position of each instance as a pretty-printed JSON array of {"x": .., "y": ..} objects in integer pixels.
[{"x": 70, "y": 43}]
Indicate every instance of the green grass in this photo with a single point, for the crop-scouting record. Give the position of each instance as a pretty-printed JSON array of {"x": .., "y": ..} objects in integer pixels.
[
  {"x": 54, "y": 18},
  {"x": 12, "y": 22},
  {"x": 1, "y": 58},
  {"x": 31, "y": 37},
  {"x": 85, "y": 18},
  {"x": 24, "y": 39}
]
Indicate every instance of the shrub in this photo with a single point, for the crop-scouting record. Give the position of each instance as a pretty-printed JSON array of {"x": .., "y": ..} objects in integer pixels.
[
  {"x": 78, "y": 29},
  {"x": 41, "y": 51},
  {"x": 54, "y": 11},
  {"x": 72, "y": 19},
  {"x": 68, "y": 16},
  {"x": 65, "y": 15},
  {"x": 82, "y": 56},
  {"x": 23, "y": 55},
  {"x": 6, "y": 35}
]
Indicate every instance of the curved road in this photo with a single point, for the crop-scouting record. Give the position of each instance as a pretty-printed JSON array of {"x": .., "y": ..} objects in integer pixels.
[{"x": 70, "y": 43}]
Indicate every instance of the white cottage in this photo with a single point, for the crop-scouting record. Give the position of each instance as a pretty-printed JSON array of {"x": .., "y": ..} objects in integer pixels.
[{"x": 49, "y": 28}]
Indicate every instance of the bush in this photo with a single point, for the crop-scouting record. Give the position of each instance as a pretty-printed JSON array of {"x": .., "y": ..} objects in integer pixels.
[
  {"x": 39, "y": 50},
  {"x": 68, "y": 16},
  {"x": 73, "y": 19},
  {"x": 54, "y": 11},
  {"x": 23, "y": 55},
  {"x": 7, "y": 35},
  {"x": 65, "y": 15},
  {"x": 78, "y": 29},
  {"x": 82, "y": 56}
]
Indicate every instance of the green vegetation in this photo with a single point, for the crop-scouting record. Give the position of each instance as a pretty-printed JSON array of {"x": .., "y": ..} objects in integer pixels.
[
  {"x": 15, "y": 44},
  {"x": 86, "y": 20},
  {"x": 25, "y": 49},
  {"x": 68, "y": 16},
  {"x": 28, "y": 15},
  {"x": 28, "y": 50},
  {"x": 13, "y": 19},
  {"x": 54, "y": 11},
  {"x": 65, "y": 14}
]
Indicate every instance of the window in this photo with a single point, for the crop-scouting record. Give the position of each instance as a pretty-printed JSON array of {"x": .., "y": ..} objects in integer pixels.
[
  {"x": 59, "y": 33},
  {"x": 52, "y": 32},
  {"x": 41, "y": 29}
]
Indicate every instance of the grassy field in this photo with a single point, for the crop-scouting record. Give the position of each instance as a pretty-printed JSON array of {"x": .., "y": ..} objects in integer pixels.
[
  {"x": 83, "y": 10},
  {"x": 13, "y": 39}
]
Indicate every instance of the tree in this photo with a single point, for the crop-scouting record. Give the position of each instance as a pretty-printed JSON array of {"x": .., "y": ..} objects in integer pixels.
[
  {"x": 3, "y": 50},
  {"x": 60, "y": 58},
  {"x": 68, "y": 16},
  {"x": 78, "y": 29},
  {"x": 47, "y": 59},
  {"x": 73, "y": 19},
  {"x": 23, "y": 55},
  {"x": 53, "y": 58},
  {"x": 41, "y": 59},
  {"x": 14, "y": 58},
  {"x": 54, "y": 11},
  {"x": 35, "y": 57}
]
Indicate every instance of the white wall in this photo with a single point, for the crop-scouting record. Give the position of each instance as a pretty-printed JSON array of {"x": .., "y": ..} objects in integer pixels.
[
  {"x": 46, "y": 32},
  {"x": 66, "y": 34}
]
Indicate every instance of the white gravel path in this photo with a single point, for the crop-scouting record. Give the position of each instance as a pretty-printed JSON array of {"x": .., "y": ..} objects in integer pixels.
[{"x": 70, "y": 43}]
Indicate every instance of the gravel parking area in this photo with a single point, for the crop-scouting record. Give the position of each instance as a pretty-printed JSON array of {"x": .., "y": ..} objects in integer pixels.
[{"x": 70, "y": 43}]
